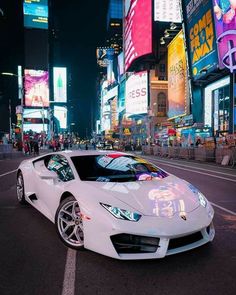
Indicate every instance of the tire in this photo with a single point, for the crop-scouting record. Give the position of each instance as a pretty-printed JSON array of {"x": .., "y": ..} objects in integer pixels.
[
  {"x": 20, "y": 189},
  {"x": 69, "y": 224}
]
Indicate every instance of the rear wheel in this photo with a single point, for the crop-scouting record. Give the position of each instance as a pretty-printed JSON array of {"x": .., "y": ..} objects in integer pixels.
[
  {"x": 20, "y": 189},
  {"x": 69, "y": 223}
]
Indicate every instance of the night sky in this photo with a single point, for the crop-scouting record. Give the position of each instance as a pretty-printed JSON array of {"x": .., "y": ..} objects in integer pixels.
[{"x": 80, "y": 28}]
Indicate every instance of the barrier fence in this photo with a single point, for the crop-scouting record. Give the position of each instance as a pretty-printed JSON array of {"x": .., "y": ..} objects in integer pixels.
[{"x": 217, "y": 155}]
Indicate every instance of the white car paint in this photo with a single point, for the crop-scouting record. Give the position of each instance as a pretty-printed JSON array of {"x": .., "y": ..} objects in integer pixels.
[{"x": 164, "y": 204}]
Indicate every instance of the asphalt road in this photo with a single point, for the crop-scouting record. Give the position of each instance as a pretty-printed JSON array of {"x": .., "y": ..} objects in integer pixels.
[{"x": 34, "y": 261}]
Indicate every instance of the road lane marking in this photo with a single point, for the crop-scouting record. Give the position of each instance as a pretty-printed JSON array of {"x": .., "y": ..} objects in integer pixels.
[
  {"x": 69, "y": 275},
  {"x": 224, "y": 209},
  {"x": 199, "y": 172},
  {"x": 9, "y": 172}
]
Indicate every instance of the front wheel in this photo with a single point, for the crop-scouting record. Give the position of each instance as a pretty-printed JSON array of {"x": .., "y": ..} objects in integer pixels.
[
  {"x": 69, "y": 223},
  {"x": 20, "y": 189}
]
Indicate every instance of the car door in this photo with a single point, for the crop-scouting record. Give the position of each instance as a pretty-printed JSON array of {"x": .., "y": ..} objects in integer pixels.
[{"x": 49, "y": 191}]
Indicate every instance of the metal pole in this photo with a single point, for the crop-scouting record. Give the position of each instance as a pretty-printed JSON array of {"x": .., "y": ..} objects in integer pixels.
[{"x": 10, "y": 127}]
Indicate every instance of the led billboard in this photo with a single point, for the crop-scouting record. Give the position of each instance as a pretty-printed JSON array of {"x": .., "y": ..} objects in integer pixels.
[
  {"x": 61, "y": 114},
  {"x": 167, "y": 11},
  {"x": 177, "y": 77},
  {"x": 59, "y": 84},
  {"x": 201, "y": 37},
  {"x": 137, "y": 30},
  {"x": 36, "y": 14},
  {"x": 136, "y": 89},
  {"x": 104, "y": 56},
  {"x": 35, "y": 120},
  {"x": 36, "y": 88},
  {"x": 121, "y": 68},
  {"x": 225, "y": 27}
]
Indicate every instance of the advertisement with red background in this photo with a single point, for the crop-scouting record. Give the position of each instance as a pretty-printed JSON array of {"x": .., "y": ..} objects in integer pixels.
[
  {"x": 138, "y": 30},
  {"x": 36, "y": 88}
]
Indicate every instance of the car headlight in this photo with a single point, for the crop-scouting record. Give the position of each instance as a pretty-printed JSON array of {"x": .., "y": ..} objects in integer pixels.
[
  {"x": 201, "y": 197},
  {"x": 122, "y": 213}
]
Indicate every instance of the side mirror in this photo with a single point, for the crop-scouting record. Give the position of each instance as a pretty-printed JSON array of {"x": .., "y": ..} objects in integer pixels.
[{"x": 48, "y": 175}]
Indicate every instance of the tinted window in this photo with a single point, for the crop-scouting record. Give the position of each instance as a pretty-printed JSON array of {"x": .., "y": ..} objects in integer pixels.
[
  {"x": 115, "y": 168},
  {"x": 60, "y": 165}
]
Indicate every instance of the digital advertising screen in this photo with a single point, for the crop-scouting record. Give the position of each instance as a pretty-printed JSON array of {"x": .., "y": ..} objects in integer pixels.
[
  {"x": 136, "y": 94},
  {"x": 114, "y": 113},
  {"x": 61, "y": 114},
  {"x": 121, "y": 66},
  {"x": 137, "y": 30},
  {"x": 35, "y": 120},
  {"x": 167, "y": 11},
  {"x": 177, "y": 77},
  {"x": 36, "y": 88},
  {"x": 104, "y": 56},
  {"x": 59, "y": 84},
  {"x": 225, "y": 27},
  {"x": 203, "y": 57},
  {"x": 106, "y": 117},
  {"x": 36, "y": 14}
]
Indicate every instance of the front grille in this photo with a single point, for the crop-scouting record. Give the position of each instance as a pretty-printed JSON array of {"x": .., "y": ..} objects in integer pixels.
[
  {"x": 131, "y": 244},
  {"x": 183, "y": 241}
]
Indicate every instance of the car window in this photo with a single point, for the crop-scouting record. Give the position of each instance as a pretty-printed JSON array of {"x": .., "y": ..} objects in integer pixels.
[
  {"x": 115, "y": 168},
  {"x": 60, "y": 165}
]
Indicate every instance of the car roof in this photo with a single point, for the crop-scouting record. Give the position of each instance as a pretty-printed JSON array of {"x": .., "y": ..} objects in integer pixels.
[{"x": 76, "y": 153}]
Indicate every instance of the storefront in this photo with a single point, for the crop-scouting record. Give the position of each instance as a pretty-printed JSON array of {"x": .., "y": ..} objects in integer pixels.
[{"x": 217, "y": 106}]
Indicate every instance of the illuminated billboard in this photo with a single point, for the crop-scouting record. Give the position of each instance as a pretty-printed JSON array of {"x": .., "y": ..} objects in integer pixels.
[
  {"x": 121, "y": 68},
  {"x": 35, "y": 120},
  {"x": 177, "y": 77},
  {"x": 137, "y": 30},
  {"x": 36, "y": 88},
  {"x": 201, "y": 37},
  {"x": 136, "y": 89},
  {"x": 104, "y": 56},
  {"x": 36, "y": 14},
  {"x": 167, "y": 11},
  {"x": 225, "y": 27},
  {"x": 59, "y": 84},
  {"x": 61, "y": 114}
]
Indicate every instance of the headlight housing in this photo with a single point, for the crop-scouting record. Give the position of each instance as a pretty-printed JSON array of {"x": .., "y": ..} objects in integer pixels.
[
  {"x": 201, "y": 197},
  {"x": 122, "y": 213}
]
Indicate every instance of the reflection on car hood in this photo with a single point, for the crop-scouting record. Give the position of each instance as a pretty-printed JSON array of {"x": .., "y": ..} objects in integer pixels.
[{"x": 163, "y": 198}]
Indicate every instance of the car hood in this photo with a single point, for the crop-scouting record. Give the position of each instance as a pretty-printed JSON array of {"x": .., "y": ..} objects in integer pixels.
[{"x": 156, "y": 197}]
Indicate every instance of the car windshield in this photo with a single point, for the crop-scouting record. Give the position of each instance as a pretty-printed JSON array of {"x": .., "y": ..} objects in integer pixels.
[{"x": 116, "y": 168}]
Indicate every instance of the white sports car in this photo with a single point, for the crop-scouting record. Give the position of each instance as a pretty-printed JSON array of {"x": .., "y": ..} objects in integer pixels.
[{"x": 116, "y": 204}]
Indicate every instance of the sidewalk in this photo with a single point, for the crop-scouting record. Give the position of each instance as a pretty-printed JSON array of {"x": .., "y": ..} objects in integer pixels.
[{"x": 10, "y": 153}]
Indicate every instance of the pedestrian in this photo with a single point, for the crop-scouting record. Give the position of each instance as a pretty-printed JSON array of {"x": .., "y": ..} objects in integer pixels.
[
  {"x": 36, "y": 148},
  {"x": 26, "y": 148}
]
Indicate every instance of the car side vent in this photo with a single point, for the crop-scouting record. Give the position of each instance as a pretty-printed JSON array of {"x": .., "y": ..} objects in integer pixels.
[{"x": 33, "y": 197}]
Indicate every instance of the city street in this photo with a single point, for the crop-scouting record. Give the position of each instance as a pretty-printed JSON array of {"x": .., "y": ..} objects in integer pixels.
[{"x": 34, "y": 261}]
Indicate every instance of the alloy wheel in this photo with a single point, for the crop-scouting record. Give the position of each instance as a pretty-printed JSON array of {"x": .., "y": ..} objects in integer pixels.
[{"x": 70, "y": 224}]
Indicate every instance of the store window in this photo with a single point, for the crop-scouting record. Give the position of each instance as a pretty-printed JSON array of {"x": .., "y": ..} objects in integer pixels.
[
  {"x": 161, "y": 104},
  {"x": 221, "y": 99}
]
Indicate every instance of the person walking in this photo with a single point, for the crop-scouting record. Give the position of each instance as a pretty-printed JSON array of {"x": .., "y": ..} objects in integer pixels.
[{"x": 36, "y": 148}]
